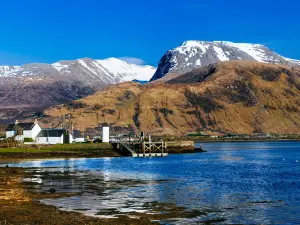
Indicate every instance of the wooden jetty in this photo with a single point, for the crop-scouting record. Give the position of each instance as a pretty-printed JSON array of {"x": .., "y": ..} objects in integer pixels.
[{"x": 142, "y": 148}]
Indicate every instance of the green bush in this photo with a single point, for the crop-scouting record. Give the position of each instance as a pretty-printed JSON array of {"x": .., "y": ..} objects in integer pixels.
[{"x": 28, "y": 140}]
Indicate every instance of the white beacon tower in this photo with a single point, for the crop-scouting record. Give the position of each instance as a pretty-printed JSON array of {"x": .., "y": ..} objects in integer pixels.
[{"x": 105, "y": 133}]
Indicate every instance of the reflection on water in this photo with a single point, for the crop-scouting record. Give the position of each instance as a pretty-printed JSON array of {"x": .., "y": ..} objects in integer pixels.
[{"x": 252, "y": 183}]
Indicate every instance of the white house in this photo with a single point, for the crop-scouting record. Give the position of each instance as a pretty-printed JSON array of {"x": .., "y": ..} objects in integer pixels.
[
  {"x": 19, "y": 131},
  {"x": 54, "y": 136}
]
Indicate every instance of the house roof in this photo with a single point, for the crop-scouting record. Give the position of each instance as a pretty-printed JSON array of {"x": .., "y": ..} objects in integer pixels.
[
  {"x": 77, "y": 134},
  {"x": 51, "y": 133},
  {"x": 23, "y": 126}
]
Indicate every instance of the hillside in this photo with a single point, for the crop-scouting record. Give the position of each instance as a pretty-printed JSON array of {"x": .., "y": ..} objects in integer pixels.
[
  {"x": 194, "y": 54},
  {"x": 29, "y": 89},
  {"x": 230, "y": 97},
  {"x": 25, "y": 91}
]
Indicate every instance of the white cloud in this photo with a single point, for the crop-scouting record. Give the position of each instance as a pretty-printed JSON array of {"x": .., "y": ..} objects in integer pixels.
[{"x": 133, "y": 60}]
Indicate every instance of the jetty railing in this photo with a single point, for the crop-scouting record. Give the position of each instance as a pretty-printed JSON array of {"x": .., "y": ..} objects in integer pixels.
[{"x": 153, "y": 147}]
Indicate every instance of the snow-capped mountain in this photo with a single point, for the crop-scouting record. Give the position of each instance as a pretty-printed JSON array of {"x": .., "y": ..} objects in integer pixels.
[
  {"x": 193, "y": 54},
  {"x": 108, "y": 71},
  {"x": 34, "y": 87}
]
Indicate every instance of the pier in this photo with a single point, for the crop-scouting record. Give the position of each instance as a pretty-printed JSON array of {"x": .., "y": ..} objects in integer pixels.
[{"x": 142, "y": 148}]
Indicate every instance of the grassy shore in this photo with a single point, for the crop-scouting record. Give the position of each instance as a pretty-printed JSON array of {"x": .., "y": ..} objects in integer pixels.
[{"x": 91, "y": 150}]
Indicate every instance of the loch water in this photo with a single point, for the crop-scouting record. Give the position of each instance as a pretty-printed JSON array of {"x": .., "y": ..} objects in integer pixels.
[{"x": 232, "y": 183}]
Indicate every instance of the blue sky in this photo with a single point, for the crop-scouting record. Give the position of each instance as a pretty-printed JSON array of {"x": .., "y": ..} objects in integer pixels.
[{"x": 51, "y": 30}]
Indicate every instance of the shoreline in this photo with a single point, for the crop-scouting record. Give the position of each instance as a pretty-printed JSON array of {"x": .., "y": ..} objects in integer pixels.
[
  {"x": 58, "y": 151},
  {"x": 20, "y": 206},
  {"x": 6, "y": 156},
  {"x": 98, "y": 151},
  {"x": 102, "y": 150}
]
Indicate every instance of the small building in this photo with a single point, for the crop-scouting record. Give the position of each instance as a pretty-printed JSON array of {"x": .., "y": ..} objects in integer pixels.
[
  {"x": 105, "y": 133},
  {"x": 54, "y": 136},
  {"x": 20, "y": 131},
  {"x": 78, "y": 137}
]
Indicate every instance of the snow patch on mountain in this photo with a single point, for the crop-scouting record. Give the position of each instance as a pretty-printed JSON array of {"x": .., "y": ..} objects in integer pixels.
[
  {"x": 294, "y": 61},
  {"x": 6, "y": 71},
  {"x": 126, "y": 71},
  {"x": 254, "y": 50},
  {"x": 193, "y": 54},
  {"x": 59, "y": 66},
  {"x": 221, "y": 54},
  {"x": 191, "y": 44}
]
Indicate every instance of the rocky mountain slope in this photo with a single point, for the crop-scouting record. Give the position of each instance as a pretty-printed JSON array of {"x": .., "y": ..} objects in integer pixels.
[
  {"x": 230, "y": 97},
  {"x": 194, "y": 54},
  {"x": 33, "y": 87}
]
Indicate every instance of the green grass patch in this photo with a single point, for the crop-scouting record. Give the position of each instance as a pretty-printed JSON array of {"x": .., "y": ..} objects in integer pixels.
[
  {"x": 21, "y": 150},
  {"x": 59, "y": 148}
]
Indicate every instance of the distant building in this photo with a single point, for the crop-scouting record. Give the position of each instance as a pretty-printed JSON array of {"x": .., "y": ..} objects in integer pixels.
[
  {"x": 19, "y": 131},
  {"x": 79, "y": 139},
  {"x": 54, "y": 136}
]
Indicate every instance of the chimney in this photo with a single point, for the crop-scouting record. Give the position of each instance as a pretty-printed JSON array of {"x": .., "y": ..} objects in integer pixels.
[
  {"x": 36, "y": 121},
  {"x": 17, "y": 121}
]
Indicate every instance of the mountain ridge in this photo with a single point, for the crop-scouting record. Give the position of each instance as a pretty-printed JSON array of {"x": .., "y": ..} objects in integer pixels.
[
  {"x": 193, "y": 54},
  {"x": 27, "y": 89},
  {"x": 106, "y": 66}
]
